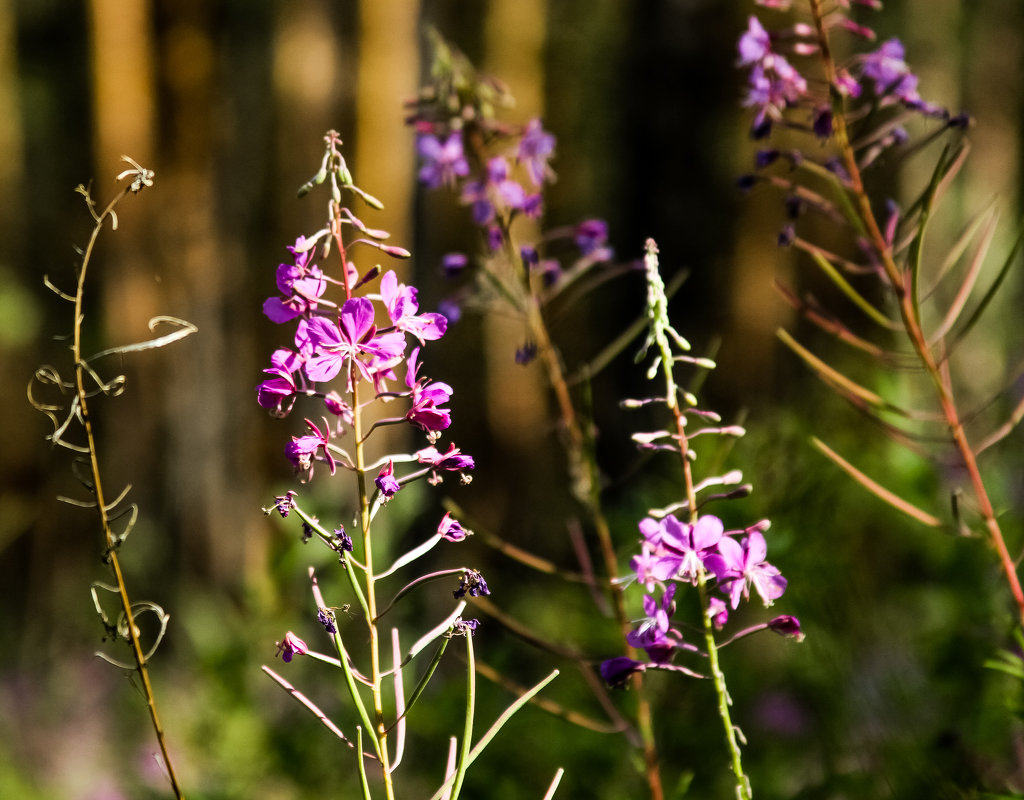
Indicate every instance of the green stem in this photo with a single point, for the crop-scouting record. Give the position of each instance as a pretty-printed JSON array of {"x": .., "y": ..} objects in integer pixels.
[
  {"x": 380, "y": 730},
  {"x": 743, "y": 790}
]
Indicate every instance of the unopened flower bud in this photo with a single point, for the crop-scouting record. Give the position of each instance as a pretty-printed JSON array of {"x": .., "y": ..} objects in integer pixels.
[{"x": 787, "y": 626}]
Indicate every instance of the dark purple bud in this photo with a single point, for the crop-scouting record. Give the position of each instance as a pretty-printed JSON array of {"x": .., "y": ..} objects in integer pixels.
[
  {"x": 526, "y": 353},
  {"x": 494, "y": 237},
  {"x": 823, "y": 123},
  {"x": 616, "y": 671},
  {"x": 746, "y": 182},
  {"x": 550, "y": 271},
  {"x": 794, "y": 206},
  {"x": 452, "y": 264},
  {"x": 787, "y": 626},
  {"x": 961, "y": 120},
  {"x": 761, "y": 130},
  {"x": 765, "y": 157}
]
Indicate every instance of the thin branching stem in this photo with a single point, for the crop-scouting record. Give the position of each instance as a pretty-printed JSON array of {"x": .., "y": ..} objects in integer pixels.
[
  {"x": 110, "y": 537},
  {"x": 582, "y": 469}
]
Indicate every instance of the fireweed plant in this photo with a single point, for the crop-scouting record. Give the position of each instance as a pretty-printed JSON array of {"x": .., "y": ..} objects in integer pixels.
[
  {"x": 682, "y": 546},
  {"x": 862, "y": 114},
  {"x": 70, "y": 412},
  {"x": 499, "y": 171},
  {"x": 351, "y": 359}
]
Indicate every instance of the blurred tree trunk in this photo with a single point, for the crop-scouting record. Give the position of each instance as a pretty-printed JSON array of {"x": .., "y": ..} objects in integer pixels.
[
  {"x": 203, "y": 270},
  {"x": 389, "y": 59},
  {"x": 124, "y": 120},
  {"x": 514, "y": 35}
]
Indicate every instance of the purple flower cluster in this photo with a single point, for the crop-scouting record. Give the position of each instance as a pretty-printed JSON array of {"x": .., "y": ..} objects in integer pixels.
[
  {"x": 499, "y": 171},
  {"x": 347, "y": 343},
  {"x": 675, "y": 552},
  {"x": 775, "y": 86},
  {"x": 874, "y": 91}
]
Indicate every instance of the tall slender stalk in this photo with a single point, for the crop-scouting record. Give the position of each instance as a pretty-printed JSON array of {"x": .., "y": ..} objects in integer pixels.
[
  {"x": 660, "y": 335},
  {"x": 899, "y": 282},
  {"x": 518, "y": 285},
  {"x": 111, "y": 540}
]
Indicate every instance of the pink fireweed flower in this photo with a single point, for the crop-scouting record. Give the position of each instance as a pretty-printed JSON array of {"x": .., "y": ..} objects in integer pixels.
[
  {"x": 277, "y": 393},
  {"x": 302, "y": 285},
  {"x": 738, "y": 567},
  {"x": 353, "y": 338},
  {"x": 301, "y": 450},
  {"x": 385, "y": 480},
  {"x": 427, "y": 398},
  {"x": 718, "y": 612},
  {"x": 890, "y": 72},
  {"x": 400, "y": 301},
  {"x": 774, "y": 86},
  {"x": 675, "y": 550},
  {"x": 291, "y": 646},
  {"x": 591, "y": 237},
  {"x": 451, "y": 530},
  {"x": 497, "y": 193},
  {"x": 755, "y": 44},
  {"x": 452, "y": 461},
  {"x": 444, "y": 161},
  {"x": 655, "y": 635},
  {"x": 535, "y": 150}
]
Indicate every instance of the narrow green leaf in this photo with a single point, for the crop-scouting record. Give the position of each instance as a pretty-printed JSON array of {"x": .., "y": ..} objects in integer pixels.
[
  {"x": 828, "y": 323},
  {"x": 422, "y": 684},
  {"x": 875, "y": 488},
  {"x": 967, "y": 284},
  {"x": 499, "y": 723},
  {"x": 840, "y": 191},
  {"x": 364, "y": 783},
  {"x": 844, "y": 286},
  {"x": 467, "y": 733},
  {"x": 1004, "y": 270},
  {"x": 959, "y": 247},
  {"x": 852, "y": 390},
  {"x": 917, "y": 243}
]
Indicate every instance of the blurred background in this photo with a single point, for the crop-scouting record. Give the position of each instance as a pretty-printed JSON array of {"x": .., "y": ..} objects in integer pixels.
[{"x": 228, "y": 102}]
